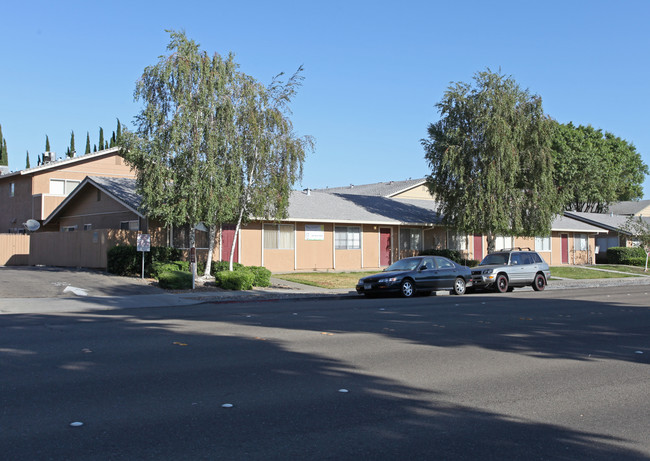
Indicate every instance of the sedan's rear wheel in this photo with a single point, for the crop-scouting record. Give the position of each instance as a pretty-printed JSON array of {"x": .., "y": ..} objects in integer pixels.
[
  {"x": 540, "y": 282},
  {"x": 460, "y": 286},
  {"x": 502, "y": 283},
  {"x": 408, "y": 288}
]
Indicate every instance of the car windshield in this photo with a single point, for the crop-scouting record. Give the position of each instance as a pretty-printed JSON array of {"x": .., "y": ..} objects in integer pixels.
[
  {"x": 403, "y": 265},
  {"x": 495, "y": 258}
]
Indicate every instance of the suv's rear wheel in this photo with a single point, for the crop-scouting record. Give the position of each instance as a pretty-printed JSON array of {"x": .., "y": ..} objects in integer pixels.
[
  {"x": 501, "y": 283},
  {"x": 540, "y": 282}
]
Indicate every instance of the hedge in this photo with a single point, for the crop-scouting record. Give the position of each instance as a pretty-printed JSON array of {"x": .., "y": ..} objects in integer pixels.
[
  {"x": 454, "y": 255},
  {"x": 126, "y": 260},
  {"x": 175, "y": 280},
  {"x": 235, "y": 280},
  {"x": 625, "y": 255}
]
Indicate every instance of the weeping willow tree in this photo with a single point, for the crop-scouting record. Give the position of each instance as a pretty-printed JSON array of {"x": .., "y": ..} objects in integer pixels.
[
  {"x": 212, "y": 145},
  {"x": 490, "y": 159}
]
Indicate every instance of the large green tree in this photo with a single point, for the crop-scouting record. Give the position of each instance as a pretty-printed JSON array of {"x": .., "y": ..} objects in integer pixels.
[
  {"x": 202, "y": 138},
  {"x": 593, "y": 169},
  {"x": 490, "y": 159}
]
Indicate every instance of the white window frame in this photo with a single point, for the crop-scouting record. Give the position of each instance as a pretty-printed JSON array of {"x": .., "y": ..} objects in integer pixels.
[
  {"x": 278, "y": 228},
  {"x": 68, "y": 185},
  {"x": 352, "y": 237},
  {"x": 88, "y": 227},
  {"x": 543, "y": 243},
  {"x": 502, "y": 239},
  {"x": 69, "y": 228},
  {"x": 580, "y": 242},
  {"x": 412, "y": 231},
  {"x": 457, "y": 241},
  {"x": 131, "y": 225}
]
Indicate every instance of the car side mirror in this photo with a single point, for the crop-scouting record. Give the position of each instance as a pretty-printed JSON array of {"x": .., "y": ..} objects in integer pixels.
[{"x": 423, "y": 267}]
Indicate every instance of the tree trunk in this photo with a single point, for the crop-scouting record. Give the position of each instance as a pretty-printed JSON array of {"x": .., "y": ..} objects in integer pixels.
[
  {"x": 491, "y": 242},
  {"x": 192, "y": 247},
  {"x": 211, "y": 237}
]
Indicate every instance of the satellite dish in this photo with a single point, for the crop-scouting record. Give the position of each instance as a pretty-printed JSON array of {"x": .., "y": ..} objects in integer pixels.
[{"x": 31, "y": 225}]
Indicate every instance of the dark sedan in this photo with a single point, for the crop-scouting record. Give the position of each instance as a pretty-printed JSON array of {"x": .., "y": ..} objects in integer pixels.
[{"x": 420, "y": 274}]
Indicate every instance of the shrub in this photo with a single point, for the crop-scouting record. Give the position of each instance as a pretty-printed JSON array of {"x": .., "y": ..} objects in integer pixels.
[
  {"x": 454, "y": 255},
  {"x": 622, "y": 255},
  {"x": 122, "y": 260},
  {"x": 221, "y": 266},
  {"x": 262, "y": 276},
  {"x": 636, "y": 261},
  {"x": 235, "y": 280},
  {"x": 470, "y": 262},
  {"x": 175, "y": 280}
]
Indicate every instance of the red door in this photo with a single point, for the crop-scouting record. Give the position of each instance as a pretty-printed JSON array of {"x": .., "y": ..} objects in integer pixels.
[
  {"x": 478, "y": 247},
  {"x": 384, "y": 247},
  {"x": 565, "y": 248},
  {"x": 227, "y": 237}
]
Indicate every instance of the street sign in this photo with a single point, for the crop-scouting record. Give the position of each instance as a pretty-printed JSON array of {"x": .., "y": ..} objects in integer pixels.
[{"x": 144, "y": 242}]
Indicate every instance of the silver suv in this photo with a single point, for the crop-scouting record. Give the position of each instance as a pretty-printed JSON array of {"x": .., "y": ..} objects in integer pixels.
[{"x": 507, "y": 269}]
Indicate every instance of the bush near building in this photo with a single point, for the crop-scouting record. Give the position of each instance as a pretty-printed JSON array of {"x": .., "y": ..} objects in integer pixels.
[{"x": 631, "y": 256}]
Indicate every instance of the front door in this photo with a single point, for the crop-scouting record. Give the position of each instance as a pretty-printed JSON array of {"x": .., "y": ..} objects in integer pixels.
[
  {"x": 227, "y": 237},
  {"x": 478, "y": 247},
  {"x": 384, "y": 246},
  {"x": 565, "y": 248}
]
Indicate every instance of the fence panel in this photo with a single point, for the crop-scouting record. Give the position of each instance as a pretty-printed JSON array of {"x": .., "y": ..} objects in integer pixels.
[{"x": 14, "y": 249}]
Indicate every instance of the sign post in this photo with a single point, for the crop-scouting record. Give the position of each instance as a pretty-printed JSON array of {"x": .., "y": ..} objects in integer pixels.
[
  {"x": 193, "y": 264},
  {"x": 144, "y": 244}
]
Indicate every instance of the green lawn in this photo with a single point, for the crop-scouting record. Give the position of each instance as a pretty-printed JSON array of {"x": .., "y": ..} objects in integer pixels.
[
  {"x": 629, "y": 269},
  {"x": 579, "y": 273},
  {"x": 325, "y": 279}
]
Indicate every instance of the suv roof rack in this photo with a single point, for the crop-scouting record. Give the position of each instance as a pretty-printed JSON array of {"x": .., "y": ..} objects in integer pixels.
[{"x": 517, "y": 249}]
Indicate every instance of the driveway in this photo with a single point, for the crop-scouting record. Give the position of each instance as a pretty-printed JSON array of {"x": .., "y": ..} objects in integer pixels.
[{"x": 62, "y": 282}]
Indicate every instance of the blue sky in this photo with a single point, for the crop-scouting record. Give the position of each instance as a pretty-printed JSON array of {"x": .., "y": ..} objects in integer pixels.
[{"x": 373, "y": 70}]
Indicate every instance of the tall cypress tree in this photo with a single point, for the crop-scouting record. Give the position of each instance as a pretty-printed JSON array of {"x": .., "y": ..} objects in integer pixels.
[
  {"x": 112, "y": 144},
  {"x": 87, "y": 143},
  {"x": 4, "y": 157},
  {"x": 118, "y": 137},
  {"x": 27, "y": 161},
  {"x": 47, "y": 143},
  {"x": 101, "y": 138},
  {"x": 72, "y": 148}
]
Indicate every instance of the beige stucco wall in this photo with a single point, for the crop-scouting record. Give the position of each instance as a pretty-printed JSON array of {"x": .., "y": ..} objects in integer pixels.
[
  {"x": 314, "y": 254},
  {"x": 418, "y": 192}
]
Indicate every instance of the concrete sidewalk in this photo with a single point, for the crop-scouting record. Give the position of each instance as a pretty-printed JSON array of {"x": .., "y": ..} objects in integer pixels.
[{"x": 279, "y": 290}]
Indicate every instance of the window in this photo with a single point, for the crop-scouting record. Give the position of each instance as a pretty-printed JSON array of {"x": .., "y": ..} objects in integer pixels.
[
  {"x": 347, "y": 238},
  {"x": 543, "y": 243},
  {"x": 62, "y": 186},
  {"x": 180, "y": 236},
  {"x": 129, "y": 225},
  {"x": 457, "y": 242},
  {"x": 12, "y": 189},
  {"x": 502, "y": 243},
  {"x": 88, "y": 226},
  {"x": 278, "y": 237},
  {"x": 580, "y": 242},
  {"x": 68, "y": 228},
  {"x": 443, "y": 263},
  {"x": 410, "y": 239}
]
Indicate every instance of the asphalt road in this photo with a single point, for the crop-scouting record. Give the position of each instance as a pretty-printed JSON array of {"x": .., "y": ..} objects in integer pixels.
[{"x": 561, "y": 375}]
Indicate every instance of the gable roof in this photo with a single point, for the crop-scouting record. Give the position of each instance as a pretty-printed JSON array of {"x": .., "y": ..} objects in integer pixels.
[
  {"x": 63, "y": 162},
  {"x": 320, "y": 206},
  {"x": 611, "y": 222},
  {"x": 122, "y": 190},
  {"x": 631, "y": 207},
  {"x": 379, "y": 189},
  {"x": 568, "y": 224}
]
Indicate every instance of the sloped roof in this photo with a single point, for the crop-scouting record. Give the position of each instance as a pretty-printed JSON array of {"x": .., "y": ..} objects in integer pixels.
[
  {"x": 569, "y": 224},
  {"x": 122, "y": 190},
  {"x": 356, "y": 208},
  {"x": 629, "y": 207},
  {"x": 379, "y": 189},
  {"x": 63, "y": 162},
  {"x": 610, "y": 221}
]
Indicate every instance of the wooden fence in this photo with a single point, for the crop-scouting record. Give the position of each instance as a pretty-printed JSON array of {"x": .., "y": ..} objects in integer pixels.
[
  {"x": 78, "y": 248},
  {"x": 14, "y": 249}
]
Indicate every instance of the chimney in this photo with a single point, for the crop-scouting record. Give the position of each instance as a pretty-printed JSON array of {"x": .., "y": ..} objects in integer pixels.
[{"x": 307, "y": 191}]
